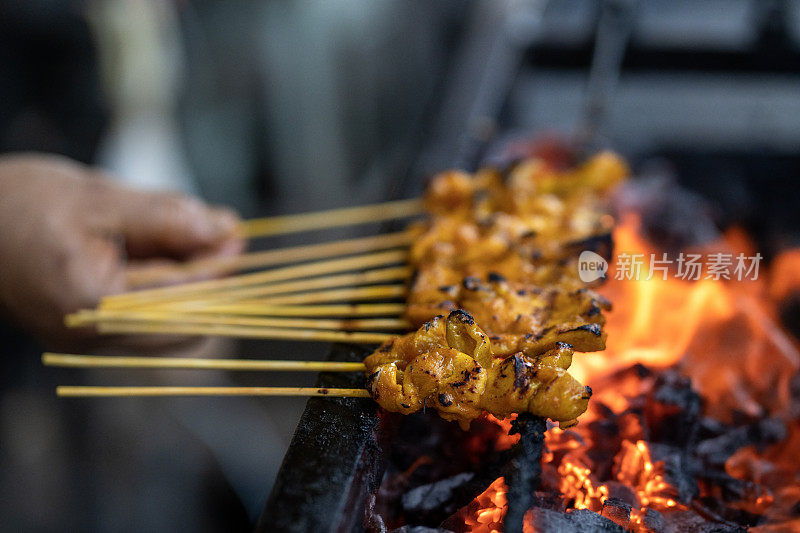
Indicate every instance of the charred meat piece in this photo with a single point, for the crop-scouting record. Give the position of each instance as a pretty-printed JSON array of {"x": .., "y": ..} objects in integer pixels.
[
  {"x": 520, "y": 317},
  {"x": 449, "y": 365},
  {"x": 528, "y": 226},
  {"x": 501, "y": 251}
]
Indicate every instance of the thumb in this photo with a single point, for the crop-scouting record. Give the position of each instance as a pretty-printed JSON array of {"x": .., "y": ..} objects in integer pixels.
[{"x": 176, "y": 226}]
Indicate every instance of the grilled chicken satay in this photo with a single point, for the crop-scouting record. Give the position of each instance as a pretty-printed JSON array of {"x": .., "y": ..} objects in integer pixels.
[
  {"x": 534, "y": 209},
  {"x": 451, "y": 249},
  {"x": 529, "y": 226},
  {"x": 531, "y": 188},
  {"x": 520, "y": 317},
  {"x": 449, "y": 365},
  {"x": 522, "y": 232}
]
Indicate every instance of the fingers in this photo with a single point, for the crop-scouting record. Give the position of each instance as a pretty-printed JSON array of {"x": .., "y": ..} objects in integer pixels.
[
  {"x": 62, "y": 230},
  {"x": 173, "y": 226},
  {"x": 151, "y": 273}
]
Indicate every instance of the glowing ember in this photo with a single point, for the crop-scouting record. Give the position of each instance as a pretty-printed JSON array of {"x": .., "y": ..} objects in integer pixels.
[
  {"x": 577, "y": 485},
  {"x": 776, "y": 473},
  {"x": 636, "y": 469},
  {"x": 491, "y": 503}
]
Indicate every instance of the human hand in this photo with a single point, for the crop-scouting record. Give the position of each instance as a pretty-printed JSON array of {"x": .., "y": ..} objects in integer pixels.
[{"x": 69, "y": 236}]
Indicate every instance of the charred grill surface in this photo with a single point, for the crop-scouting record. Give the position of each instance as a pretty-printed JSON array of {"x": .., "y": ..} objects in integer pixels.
[{"x": 334, "y": 462}]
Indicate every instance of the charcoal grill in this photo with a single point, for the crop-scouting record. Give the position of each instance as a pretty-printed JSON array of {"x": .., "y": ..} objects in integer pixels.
[
  {"x": 335, "y": 460},
  {"x": 339, "y": 453}
]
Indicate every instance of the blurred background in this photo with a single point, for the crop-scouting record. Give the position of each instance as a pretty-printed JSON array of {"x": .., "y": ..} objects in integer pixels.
[{"x": 283, "y": 106}]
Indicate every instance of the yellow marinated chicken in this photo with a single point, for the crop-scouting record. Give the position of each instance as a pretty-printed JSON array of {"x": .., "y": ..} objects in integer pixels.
[
  {"x": 503, "y": 248},
  {"x": 449, "y": 365},
  {"x": 451, "y": 249},
  {"x": 529, "y": 226},
  {"x": 531, "y": 189},
  {"x": 534, "y": 205},
  {"x": 520, "y": 317}
]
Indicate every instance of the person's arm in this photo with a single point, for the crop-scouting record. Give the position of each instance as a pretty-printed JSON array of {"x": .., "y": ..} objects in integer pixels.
[{"x": 68, "y": 235}]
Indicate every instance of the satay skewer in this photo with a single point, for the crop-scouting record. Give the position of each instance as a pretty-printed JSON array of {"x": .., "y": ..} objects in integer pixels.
[
  {"x": 89, "y": 317},
  {"x": 94, "y": 391},
  {"x": 204, "y": 288},
  {"x": 348, "y": 216},
  {"x": 326, "y": 310},
  {"x": 354, "y": 279},
  {"x": 253, "y": 260},
  {"x": 197, "y": 363},
  {"x": 297, "y": 300},
  {"x": 244, "y": 332},
  {"x": 376, "y": 292}
]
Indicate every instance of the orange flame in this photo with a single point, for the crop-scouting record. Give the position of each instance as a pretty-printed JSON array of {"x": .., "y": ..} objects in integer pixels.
[
  {"x": 724, "y": 335},
  {"x": 635, "y": 468}
]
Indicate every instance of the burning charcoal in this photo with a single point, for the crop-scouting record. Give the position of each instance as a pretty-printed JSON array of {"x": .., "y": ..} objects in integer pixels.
[
  {"x": 716, "y": 451},
  {"x": 690, "y": 522},
  {"x": 672, "y": 410},
  {"x": 420, "y": 529},
  {"x": 679, "y": 470},
  {"x": 427, "y": 502},
  {"x": 716, "y": 507},
  {"x": 428, "y": 435},
  {"x": 586, "y": 520},
  {"x": 549, "y": 500},
  {"x": 731, "y": 489},
  {"x": 653, "y": 521},
  {"x": 524, "y": 469},
  {"x": 476, "y": 454},
  {"x": 576, "y": 521},
  {"x": 622, "y": 492},
  {"x": 547, "y": 521},
  {"x": 617, "y": 511},
  {"x": 710, "y": 428}
]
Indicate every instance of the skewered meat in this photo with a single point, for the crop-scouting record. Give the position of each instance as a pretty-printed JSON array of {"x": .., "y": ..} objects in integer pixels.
[
  {"x": 503, "y": 248},
  {"x": 519, "y": 317},
  {"x": 528, "y": 226},
  {"x": 531, "y": 188},
  {"x": 449, "y": 365}
]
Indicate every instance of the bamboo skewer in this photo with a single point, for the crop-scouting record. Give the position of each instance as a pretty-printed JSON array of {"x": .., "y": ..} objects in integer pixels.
[
  {"x": 99, "y": 361},
  {"x": 349, "y": 216},
  {"x": 250, "y": 332},
  {"x": 359, "y": 262},
  {"x": 91, "y": 391},
  {"x": 252, "y": 260},
  {"x": 84, "y": 318},
  {"x": 327, "y": 310},
  {"x": 340, "y": 280},
  {"x": 378, "y": 292}
]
